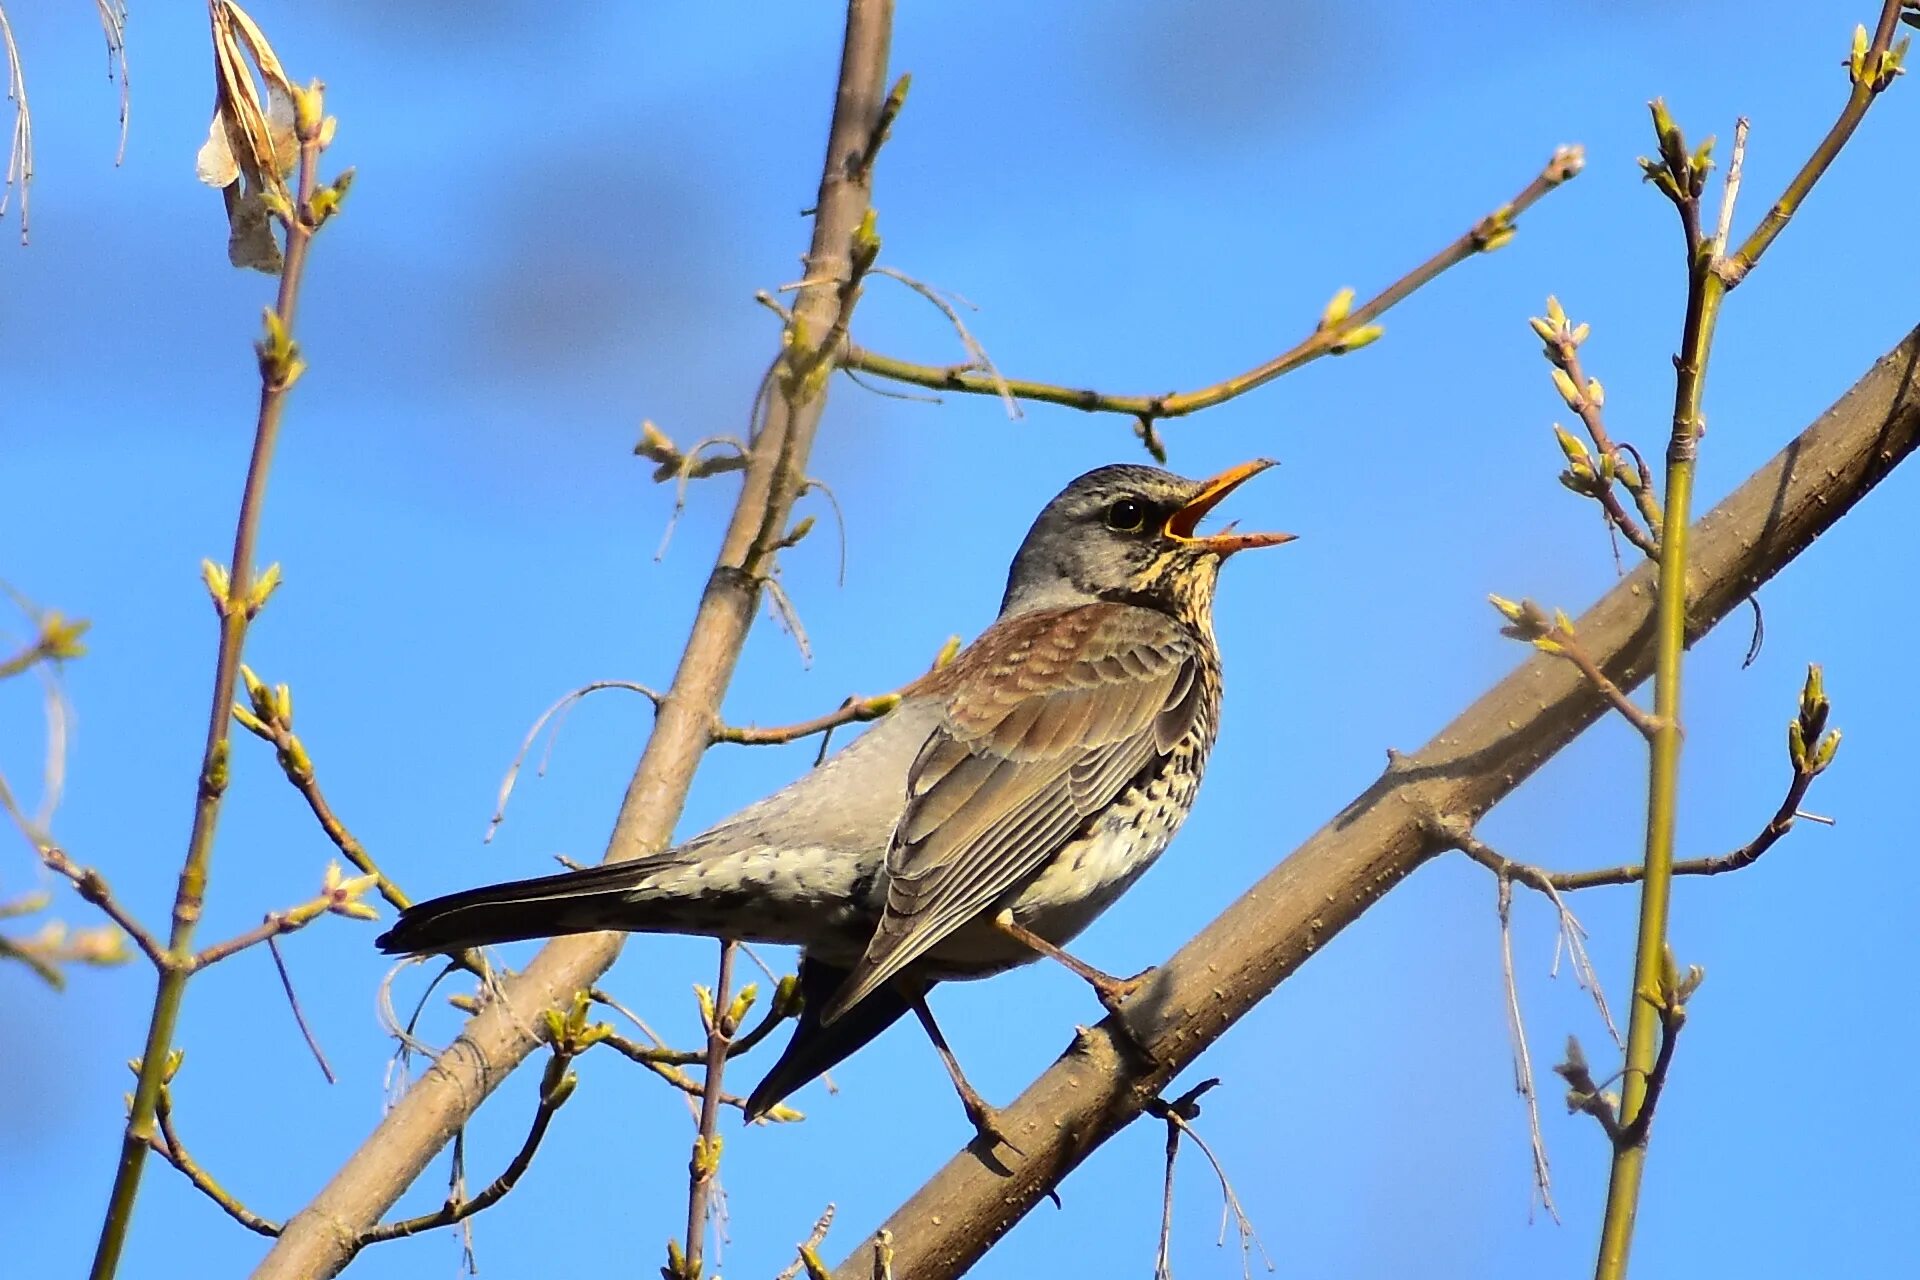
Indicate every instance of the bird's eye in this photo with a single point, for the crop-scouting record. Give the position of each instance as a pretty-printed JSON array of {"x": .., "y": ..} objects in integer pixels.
[{"x": 1129, "y": 515}]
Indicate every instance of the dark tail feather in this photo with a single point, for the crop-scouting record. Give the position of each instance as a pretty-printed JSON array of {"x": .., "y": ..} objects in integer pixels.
[
  {"x": 816, "y": 1049},
  {"x": 572, "y": 902}
]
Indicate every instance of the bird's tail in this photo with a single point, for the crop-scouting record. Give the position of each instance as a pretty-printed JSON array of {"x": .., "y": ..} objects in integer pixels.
[
  {"x": 817, "y": 1048},
  {"x": 573, "y": 902}
]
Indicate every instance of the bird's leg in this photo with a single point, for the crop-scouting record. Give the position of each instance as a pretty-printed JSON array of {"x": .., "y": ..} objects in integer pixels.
[
  {"x": 984, "y": 1117},
  {"x": 1111, "y": 990}
]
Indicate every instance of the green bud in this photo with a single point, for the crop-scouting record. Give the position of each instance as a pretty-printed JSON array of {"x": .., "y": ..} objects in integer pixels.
[
  {"x": 1568, "y": 392},
  {"x": 1824, "y": 752},
  {"x": 219, "y": 586},
  {"x": 1338, "y": 309},
  {"x": 1354, "y": 339},
  {"x": 1571, "y": 445}
]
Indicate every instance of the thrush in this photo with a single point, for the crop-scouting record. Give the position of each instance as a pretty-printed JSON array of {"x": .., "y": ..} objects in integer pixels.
[{"x": 1007, "y": 800}]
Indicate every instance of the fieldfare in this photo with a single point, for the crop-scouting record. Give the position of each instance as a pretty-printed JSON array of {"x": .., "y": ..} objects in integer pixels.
[{"x": 1009, "y": 798}]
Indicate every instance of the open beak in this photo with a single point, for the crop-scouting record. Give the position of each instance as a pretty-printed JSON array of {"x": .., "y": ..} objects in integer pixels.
[{"x": 1182, "y": 523}]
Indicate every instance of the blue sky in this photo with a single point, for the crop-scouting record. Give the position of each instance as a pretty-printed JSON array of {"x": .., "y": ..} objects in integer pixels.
[{"x": 560, "y": 222}]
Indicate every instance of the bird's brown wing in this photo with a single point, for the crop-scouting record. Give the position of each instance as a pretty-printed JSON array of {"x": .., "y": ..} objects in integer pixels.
[{"x": 1047, "y": 717}]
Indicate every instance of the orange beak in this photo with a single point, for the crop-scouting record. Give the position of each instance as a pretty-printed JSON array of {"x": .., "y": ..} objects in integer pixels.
[{"x": 1182, "y": 523}]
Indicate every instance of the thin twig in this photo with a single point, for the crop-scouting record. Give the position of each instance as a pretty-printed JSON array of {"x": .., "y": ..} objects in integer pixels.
[
  {"x": 1736, "y": 163},
  {"x": 1353, "y": 330},
  {"x": 1179, "y": 1115},
  {"x": 299, "y": 1016},
  {"x": 855, "y": 710},
  {"x": 979, "y": 360},
  {"x": 167, "y": 1143},
  {"x": 92, "y": 887},
  {"x": 113, "y": 24},
  {"x": 274, "y": 727},
  {"x": 337, "y": 896},
  {"x": 1576, "y": 653},
  {"x": 236, "y": 605},
  {"x": 1522, "y": 1056},
  {"x": 722, "y": 1021},
  {"x": 1584, "y": 1094},
  {"x": 1673, "y": 1016},
  {"x": 1869, "y": 75},
  {"x": 1163, "y": 1255},
  {"x": 1527, "y": 621},
  {"x": 20, "y": 149},
  {"x": 1597, "y": 480},
  {"x": 556, "y": 713},
  {"x": 808, "y": 1252},
  {"x": 1553, "y": 883},
  {"x": 458, "y": 1209}
]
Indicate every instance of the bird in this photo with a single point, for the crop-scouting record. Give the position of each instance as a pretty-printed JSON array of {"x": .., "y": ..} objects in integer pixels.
[{"x": 1008, "y": 798}]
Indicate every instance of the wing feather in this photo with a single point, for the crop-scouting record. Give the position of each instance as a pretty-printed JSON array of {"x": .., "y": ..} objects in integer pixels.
[{"x": 1047, "y": 718}]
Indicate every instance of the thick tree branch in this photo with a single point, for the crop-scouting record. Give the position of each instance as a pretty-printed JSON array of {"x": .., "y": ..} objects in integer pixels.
[
  {"x": 319, "y": 1239},
  {"x": 1099, "y": 1084}
]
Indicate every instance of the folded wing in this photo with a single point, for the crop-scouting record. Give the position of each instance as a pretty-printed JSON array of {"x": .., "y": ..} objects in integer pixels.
[{"x": 1054, "y": 713}]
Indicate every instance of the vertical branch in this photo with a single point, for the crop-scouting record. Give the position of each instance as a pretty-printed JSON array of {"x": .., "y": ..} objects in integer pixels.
[
  {"x": 1682, "y": 177},
  {"x": 1711, "y": 272},
  {"x": 722, "y": 1021},
  {"x": 494, "y": 1042},
  {"x": 238, "y": 596}
]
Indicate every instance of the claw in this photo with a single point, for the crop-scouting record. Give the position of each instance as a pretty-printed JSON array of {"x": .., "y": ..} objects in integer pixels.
[{"x": 986, "y": 1124}]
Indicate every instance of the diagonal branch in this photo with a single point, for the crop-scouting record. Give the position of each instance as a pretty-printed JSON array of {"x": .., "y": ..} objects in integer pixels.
[
  {"x": 1339, "y": 331},
  {"x": 317, "y": 1240},
  {"x": 1100, "y": 1084}
]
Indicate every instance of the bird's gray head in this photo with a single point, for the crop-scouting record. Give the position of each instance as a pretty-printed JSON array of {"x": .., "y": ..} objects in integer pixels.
[{"x": 1127, "y": 533}]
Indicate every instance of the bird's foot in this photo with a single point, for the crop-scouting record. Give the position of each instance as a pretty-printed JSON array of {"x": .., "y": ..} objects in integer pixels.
[
  {"x": 1113, "y": 992},
  {"x": 985, "y": 1119}
]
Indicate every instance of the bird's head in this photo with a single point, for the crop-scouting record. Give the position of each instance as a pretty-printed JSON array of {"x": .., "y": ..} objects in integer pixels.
[{"x": 1130, "y": 533}]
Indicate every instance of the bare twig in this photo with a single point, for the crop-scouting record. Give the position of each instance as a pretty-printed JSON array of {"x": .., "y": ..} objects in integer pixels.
[
  {"x": 20, "y": 148},
  {"x": 1811, "y": 747},
  {"x": 238, "y": 596},
  {"x": 1585, "y": 1094},
  {"x": 167, "y": 1143},
  {"x": 1179, "y": 1116},
  {"x": 1349, "y": 330},
  {"x": 92, "y": 887},
  {"x": 1529, "y": 622},
  {"x": 1736, "y": 164},
  {"x": 978, "y": 360},
  {"x": 271, "y": 719},
  {"x": 855, "y": 710},
  {"x": 1522, "y": 1056},
  {"x": 556, "y": 713},
  {"x": 555, "y": 1088},
  {"x": 299, "y": 1016},
  {"x": 1869, "y": 72},
  {"x": 338, "y": 895},
  {"x": 1601, "y": 474},
  {"x": 785, "y": 1004},
  {"x": 721, "y": 1012},
  {"x": 113, "y": 25},
  {"x": 808, "y": 1252}
]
